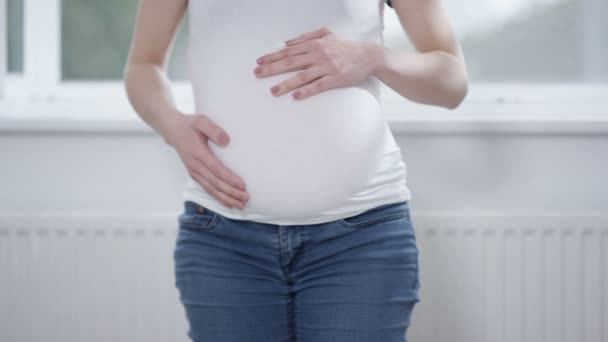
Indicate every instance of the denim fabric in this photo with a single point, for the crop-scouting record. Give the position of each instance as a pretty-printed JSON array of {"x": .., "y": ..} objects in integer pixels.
[{"x": 355, "y": 279}]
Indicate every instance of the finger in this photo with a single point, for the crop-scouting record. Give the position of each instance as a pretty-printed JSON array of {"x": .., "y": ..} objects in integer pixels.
[
  {"x": 283, "y": 53},
  {"x": 225, "y": 200},
  {"x": 210, "y": 190},
  {"x": 210, "y": 129},
  {"x": 206, "y": 156},
  {"x": 300, "y": 79},
  {"x": 221, "y": 189},
  {"x": 318, "y": 33},
  {"x": 218, "y": 181},
  {"x": 220, "y": 170},
  {"x": 231, "y": 200},
  {"x": 320, "y": 85},
  {"x": 291, "y": 63}
]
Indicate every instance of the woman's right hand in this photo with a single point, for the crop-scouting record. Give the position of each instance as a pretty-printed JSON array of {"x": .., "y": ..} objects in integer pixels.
[{"x": 189, "y": 135}]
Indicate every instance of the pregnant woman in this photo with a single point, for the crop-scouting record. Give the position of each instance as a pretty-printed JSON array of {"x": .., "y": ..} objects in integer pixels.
[{"x": 296, "y": 222}]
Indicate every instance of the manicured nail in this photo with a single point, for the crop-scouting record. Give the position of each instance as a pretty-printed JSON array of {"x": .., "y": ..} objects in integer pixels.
[
  {"x": 260, "y": 60},
  {"x": 274, "y": 89},
  {"x": 296, "y": 95},
  {"x": 223, "y": 138}
]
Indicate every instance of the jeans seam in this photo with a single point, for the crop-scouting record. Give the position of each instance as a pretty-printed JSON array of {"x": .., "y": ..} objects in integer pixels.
[
  {"x": 196, "y": 225},
  {"x": 347, "y": 224}
]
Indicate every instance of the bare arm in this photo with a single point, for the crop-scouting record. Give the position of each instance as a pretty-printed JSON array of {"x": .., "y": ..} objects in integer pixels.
[
  {"x": 145, "y": 79},
  {"x": 435, "y": 74},
  {"x": 149, "y": 92}
]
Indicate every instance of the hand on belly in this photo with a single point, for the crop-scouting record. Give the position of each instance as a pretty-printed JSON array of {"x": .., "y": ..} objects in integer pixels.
[
  {"x": 326, "y": 60},
  {"x": 297, "y": 158}
]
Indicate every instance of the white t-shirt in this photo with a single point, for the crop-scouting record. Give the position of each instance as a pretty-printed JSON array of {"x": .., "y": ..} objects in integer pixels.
[{"x": 308, "y": 161}]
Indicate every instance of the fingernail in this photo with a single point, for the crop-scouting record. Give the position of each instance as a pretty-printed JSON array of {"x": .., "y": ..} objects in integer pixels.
[
  {"x": 296, "y": 94},
  {"x": 223, "y": 138},
  {"x": 260, "y": 60}
]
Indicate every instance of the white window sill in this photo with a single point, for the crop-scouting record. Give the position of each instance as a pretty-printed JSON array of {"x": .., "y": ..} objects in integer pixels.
[
  {"x": 406, "y": 124},
  {"x": 494, "y": 109}
]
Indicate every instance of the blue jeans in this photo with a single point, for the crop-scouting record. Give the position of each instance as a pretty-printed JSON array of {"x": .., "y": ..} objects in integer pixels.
[{"x": 349, "y": 280}]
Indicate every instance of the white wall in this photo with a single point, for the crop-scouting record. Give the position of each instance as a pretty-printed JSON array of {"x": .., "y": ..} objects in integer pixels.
[{"x": 476, "y": 170}]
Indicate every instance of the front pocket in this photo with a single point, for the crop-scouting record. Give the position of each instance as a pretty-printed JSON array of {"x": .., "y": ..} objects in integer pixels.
[
  {"x": 383, "y": 213},
  {"x": 197, "y": 217}
]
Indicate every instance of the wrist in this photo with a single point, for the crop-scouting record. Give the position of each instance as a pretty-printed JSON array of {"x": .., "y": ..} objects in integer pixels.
[
  {"x": 168, "y": 124},
  {"x": 376, "y": 57}
]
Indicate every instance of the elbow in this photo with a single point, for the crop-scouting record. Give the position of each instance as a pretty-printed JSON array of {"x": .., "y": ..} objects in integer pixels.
[
  {"x": 125, "y": 71},
  {"x": 457, "y": 95},
  {"x": 125, "y": 75},
  {"x": 458, "y": 86},
  {"x": 131, "y": 67},
  {"x": 125, "y": 80}
]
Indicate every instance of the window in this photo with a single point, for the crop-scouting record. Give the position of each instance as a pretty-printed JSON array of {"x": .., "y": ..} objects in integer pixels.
[
  {"x": 14, "y": 11},
  {"x": 64, "y": 58},
  {"x": 95, "y": 38},
  {"x": 536, "y": 41},
  {"x": 541, "y": 58}
]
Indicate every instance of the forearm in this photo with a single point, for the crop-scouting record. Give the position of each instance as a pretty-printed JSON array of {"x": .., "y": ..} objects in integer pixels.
[
  {"x": 149, "y": 92},
  {"x": 435, "y": 78}
]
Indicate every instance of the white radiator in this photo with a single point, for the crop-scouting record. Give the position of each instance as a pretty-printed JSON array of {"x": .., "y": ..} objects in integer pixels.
[
  {"x": 486, "y": 278},
  {"x": 89, "y": 278},
  {"x": 521, "y": 277}
]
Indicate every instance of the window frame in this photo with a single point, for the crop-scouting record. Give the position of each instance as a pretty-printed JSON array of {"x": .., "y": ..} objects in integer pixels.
[
  {"x": 3, "y": 48},
  {"x": 39, "y": 93}
]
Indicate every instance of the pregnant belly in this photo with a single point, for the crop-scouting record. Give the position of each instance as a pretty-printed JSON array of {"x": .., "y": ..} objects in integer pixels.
[{"x": 297, "y": 157}]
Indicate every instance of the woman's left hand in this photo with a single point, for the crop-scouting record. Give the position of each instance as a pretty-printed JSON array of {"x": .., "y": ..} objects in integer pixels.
[{"x": 326, "y": 62}]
